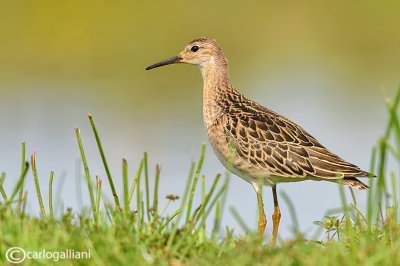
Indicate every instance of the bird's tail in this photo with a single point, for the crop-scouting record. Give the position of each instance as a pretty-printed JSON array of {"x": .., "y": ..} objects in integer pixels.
[{"x": 354, "y": 182}]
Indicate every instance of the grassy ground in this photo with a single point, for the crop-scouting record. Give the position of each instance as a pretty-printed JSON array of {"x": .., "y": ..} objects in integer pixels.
[{"x": 133, "y": 230}]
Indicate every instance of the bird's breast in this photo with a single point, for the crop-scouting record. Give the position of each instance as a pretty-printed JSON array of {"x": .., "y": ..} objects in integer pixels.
[{"x": 223, "y": 146}]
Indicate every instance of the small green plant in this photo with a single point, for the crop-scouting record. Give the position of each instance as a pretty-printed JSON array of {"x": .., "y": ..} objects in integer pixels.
[{"x": 381, "y": 220}]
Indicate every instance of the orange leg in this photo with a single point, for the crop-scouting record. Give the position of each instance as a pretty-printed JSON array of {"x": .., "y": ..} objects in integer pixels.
[
  {"x": 276, "y": 217},
  {"x": 262, "y": 220}
]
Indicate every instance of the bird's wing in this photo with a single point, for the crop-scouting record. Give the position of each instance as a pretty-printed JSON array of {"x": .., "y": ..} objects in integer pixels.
[{"x": 273, "y": 142}]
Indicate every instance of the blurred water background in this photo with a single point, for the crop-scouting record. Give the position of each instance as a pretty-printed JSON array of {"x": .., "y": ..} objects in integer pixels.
[{"x": 326, "y": 65}]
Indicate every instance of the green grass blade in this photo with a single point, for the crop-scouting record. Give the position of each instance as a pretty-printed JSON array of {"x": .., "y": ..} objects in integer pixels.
[
  {"x": 87, "y": 173},
  {"x": 239, "y": 219},
  {"x": 394, "y": 186},
  {"x": 138, "y": 201},
  {"x": 37, "y": 186},
  {"x": 292, "y": 211},
  {"x": 191, "y": 195},
  {"x": 103, "y": 158},
  {"x": 20, "y": 180},
  {"x": 4, "y": 195},
  {"x": 136, "y": 180},
  {"x": 370, "y": 202},
  {"x": 146, "y": 175},
  {"x": 2, "y": 178},
  {"x": 125, "y": 185},
  {"x": 359, "y": 213},
  {"x": 344, "y": 206},
  {"x": 216, "y": 221},
  {"x": 51, "y": 194},
  {"x": 394, "y": 192},
  {"x": 196, "y": 178},
  {"x": 98, "y": 193},
  {"x": 381, "y": 184},
  {"x": 142, "y": 213},
  {"x": 392, "y": 111},
  {"x": 214, "y": 201},
  {"x": 2, "y": 191},
  {"x": 225, "y": 195},
  {"x": 203, "y": 192},
  {"x": 155, "y": 200},
  {"x": 21, "y": 190},
  {"x": 207, "y": 199},
  {"x": 172, "y": 216},
  {"x": 175, "y": 228},
  {"x": 23, "y": 157}
]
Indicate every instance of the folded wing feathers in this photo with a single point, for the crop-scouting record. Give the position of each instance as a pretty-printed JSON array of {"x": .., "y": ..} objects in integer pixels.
[{"x": 283, "y": 148}]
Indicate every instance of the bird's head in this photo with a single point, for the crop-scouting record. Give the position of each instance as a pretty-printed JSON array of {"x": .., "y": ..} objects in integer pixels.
[{"x": 201, "y": 52}]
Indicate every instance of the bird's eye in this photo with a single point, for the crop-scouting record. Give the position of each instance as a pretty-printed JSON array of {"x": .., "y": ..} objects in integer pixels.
[{"x": 194, "y": 48}]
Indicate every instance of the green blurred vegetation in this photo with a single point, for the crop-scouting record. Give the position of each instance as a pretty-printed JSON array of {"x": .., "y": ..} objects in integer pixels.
[{"x": 104, "y": 45}]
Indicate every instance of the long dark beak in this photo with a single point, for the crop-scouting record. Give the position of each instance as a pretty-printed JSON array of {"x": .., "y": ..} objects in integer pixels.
[{"x": 165, "y": 62}]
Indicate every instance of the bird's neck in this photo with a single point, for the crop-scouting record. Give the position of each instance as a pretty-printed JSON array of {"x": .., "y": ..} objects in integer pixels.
[
  {"x": 216, "y": 87},
  {"x": 215, "y": 79}
]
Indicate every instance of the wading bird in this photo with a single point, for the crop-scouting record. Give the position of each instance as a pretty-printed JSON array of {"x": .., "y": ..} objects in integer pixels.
[{"x": 255, "y": 143}]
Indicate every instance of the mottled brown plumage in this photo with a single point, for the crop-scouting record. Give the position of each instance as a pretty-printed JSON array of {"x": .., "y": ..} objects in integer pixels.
[
  {"x": 257, "y": 144},
  {"x": 275, "y": 146}
]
